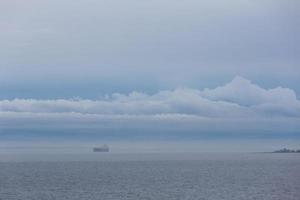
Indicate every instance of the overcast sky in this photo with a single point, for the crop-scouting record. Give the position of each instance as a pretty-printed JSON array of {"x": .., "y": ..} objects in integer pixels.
[
  {"x": 52, "y": 49},
  {"x": 207, "y": 64}
]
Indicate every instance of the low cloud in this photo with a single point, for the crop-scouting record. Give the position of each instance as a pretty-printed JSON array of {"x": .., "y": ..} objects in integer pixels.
[
  {"x": 239, "y": 98},
  {"x": 239, "y": 106}
]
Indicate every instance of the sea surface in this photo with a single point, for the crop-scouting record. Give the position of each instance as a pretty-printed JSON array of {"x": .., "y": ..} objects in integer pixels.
[{"x": 92, "y": 176}]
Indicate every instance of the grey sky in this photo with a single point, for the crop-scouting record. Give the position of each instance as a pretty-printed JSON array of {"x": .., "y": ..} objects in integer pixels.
[
  {"x": 52, "y": 49},
  {"x": 140, "y": 69}
]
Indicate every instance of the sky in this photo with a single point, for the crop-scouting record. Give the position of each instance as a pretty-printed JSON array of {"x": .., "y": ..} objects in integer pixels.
[{"x": 149, "y": 70}]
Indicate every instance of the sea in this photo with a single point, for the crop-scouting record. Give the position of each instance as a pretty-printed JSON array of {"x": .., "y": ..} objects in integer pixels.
[{"x": 150, "y": 176}]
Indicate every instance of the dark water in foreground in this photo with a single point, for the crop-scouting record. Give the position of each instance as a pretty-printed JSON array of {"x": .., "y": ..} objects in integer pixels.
[{"x": 150, "y": 176}]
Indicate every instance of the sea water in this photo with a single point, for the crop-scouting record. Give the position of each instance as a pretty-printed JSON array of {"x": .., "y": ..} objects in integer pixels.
[{"x": 211, "y": 176}]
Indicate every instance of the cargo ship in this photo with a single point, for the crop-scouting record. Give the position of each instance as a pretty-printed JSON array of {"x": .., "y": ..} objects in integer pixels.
[{"x": 103, "y": 148}]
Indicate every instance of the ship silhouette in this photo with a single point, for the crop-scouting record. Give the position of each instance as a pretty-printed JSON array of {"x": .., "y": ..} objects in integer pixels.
[{"x": 103, "y": 148}]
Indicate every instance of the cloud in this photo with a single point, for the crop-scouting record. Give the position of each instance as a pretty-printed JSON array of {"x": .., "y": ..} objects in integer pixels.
[
  {"x": 239, "y": 98},
  {"x": 237, "y": 107},
  {"x": 243, "y": 92},
  {"x": 112, "y": 43}
]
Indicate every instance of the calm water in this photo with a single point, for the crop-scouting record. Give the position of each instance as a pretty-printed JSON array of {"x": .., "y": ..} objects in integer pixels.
[{"x": 150, "y": 176}]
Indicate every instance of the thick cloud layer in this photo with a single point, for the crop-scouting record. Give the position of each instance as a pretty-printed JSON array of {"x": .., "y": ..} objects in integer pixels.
[
  {"x": 239, "y": 98},
  {"x": 60, "y": 49},
  {"x": 237, "y": 107}
]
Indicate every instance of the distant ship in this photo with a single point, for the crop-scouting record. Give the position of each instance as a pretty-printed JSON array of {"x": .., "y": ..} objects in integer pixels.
[{"x": 103, "y": 148}]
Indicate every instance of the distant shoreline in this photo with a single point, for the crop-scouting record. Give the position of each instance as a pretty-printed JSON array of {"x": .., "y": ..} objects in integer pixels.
[{"x": 285, "y": 150}]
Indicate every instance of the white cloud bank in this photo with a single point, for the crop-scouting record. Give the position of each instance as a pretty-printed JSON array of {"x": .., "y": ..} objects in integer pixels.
[
  {"x": 237, "y": 106},
  {"x": 239, "y": 98}
]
